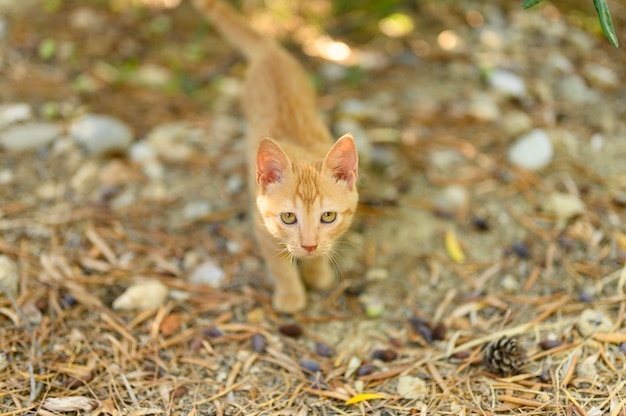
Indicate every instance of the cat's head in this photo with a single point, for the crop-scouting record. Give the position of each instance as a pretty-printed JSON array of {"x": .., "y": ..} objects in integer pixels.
[{"x": 306, "y": 206}]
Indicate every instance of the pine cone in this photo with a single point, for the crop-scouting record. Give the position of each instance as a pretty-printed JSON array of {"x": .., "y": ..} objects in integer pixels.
[{"x": 504, "y": 357}]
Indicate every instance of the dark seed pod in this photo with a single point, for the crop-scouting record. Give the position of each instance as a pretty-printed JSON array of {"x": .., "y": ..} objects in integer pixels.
[
  {"x": 68, "y": 301},
  {"x": 310, "y": 366},
  {"x": 291, "y": 330},
  {"x": 439, "y": 332},
  {"x": 521, "y": 250},
  {"x": 259, "y": 343},
  {"x": 385, "y": 355},
  {"x": 422, "y": 328},
  {"x": 480, "y": 223},
  {"x": 365, "y": 370},
  {"x": 504, "y": 357},
  {"x": 323, "y": 349},
  {"x": 212, "y": 332},
  {"x": 355, "y": 288},
  {"x": 548, "y": 344}
]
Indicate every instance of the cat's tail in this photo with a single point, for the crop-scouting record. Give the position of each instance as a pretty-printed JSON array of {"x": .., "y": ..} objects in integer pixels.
[{"x": 234, "y": 28}]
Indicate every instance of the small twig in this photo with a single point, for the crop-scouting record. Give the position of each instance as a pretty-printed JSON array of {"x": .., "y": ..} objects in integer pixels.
[{"x": 35, "y": 387}]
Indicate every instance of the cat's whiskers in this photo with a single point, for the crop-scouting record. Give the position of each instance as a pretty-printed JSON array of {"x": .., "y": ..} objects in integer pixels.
[
  {"x": 285, "y": 253},
  {"x": 351, "y": 245},
  {"x": 333, "y": 257}
]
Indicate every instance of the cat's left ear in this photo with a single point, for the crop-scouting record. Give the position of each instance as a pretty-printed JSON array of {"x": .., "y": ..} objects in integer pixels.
[{"x": 343, "y": 160}]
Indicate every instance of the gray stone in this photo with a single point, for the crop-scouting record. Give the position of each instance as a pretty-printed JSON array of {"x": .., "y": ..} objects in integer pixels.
[
  {"x": 532, "y": 151},
  {"x": 207, "y": 273},
  {"x": 9, "y": 277},
  {"x": 573, "y": 88},
  {"x": 196, "y": 209},
  {"x": 507, "y": 83},
  {"x": 28, "y": 137},
  {"x": 4, "y": 28},
  {"x": 515, "y": 122},
  {"x": 101, "y": 135},
  {"x": 171, "y": 141},
  {"x": 14, "y": 113},
  {"x": 483, "y": 107},
  {"x": 601, "y": 76}
]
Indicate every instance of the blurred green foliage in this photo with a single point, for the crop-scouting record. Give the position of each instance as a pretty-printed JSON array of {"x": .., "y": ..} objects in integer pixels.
[{"x": 604, "y": 15}]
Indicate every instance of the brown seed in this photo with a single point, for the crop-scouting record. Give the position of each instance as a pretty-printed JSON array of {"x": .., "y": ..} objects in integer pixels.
[
  {"x": 178, "y": 393},
  {"x": 170, "y": 324},
  {"x": 548, "y": 344},
  {"x": 196, "y": 343},
  {"x": 385, "y": 355},
  {"x": 439, "y": 332},
  {"x": 291, "y": 330},
  {"x": 461, "y": 355},
  {"x": 396, "y": 342},
  {"x": 422, "y": 328},
  {"x": 76, "y": 382}
]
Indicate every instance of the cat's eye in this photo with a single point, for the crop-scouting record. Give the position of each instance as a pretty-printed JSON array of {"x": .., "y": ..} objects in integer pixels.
[
  {"x": 329, "y": 217},
  {"x": 288, "y": 218}
]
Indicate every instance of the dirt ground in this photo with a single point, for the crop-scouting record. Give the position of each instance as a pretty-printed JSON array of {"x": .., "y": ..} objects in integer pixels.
[{"x": 455, "y": 246}]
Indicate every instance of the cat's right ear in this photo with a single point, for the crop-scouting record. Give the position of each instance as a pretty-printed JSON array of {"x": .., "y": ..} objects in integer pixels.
[{"x": 271, "y": 162}]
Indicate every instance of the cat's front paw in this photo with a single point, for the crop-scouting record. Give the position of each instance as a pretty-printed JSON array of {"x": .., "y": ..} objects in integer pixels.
[{"x": 289, "y": 302}]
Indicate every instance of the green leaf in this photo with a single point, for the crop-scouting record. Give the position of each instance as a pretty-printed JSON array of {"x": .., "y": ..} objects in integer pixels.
[
  {"x": 47, "y": 49},
  {"x": 605, "y": 21},
  {"x": 530, "y": 3}
]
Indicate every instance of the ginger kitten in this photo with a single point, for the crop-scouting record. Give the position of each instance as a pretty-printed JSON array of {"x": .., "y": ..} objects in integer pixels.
[{"x": 303, "y": 184}]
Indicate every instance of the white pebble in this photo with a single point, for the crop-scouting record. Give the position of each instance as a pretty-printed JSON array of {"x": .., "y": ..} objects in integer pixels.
[
  {"x": 235, "y": 184},
  {"x": 532, "y": 151},
  {"x": 413, "y": 388},
  {"x": 515, "y": 123},
  {"x": 101, "y": 135},
  {"x": 142, "y": 152},
  {"x": 483, "y": 107},
  {"x": 142, "y": 296},
  {"x": 207, "y": 273},
  {"x": 9, "y": 277},
  {"x": 152, "y": 76},
  {"x": 377, "y": 273},
  {"x": 6, "y": 176},
  {"x": 506, "y": 82},
  {"x": 592, "y": 321},
  {"x": 14, "y": 113},
  {"x": 171, "y": 141},
  {"x": 29, "y": 136},
  {"x": 601, "y": 76},
  {"x": 564, "y": 206},
  {"x": 196, "y": 209}
]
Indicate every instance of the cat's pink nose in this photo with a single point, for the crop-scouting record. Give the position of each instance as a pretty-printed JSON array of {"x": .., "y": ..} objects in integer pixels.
[{"x": 309, "y": 249}]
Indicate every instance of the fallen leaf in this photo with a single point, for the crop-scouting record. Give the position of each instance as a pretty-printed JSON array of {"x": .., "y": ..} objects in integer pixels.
[
  {"x": 454, "y": 248},
  {"x": 69, "y": 404},
  {"x": 364, "y": 396}
]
